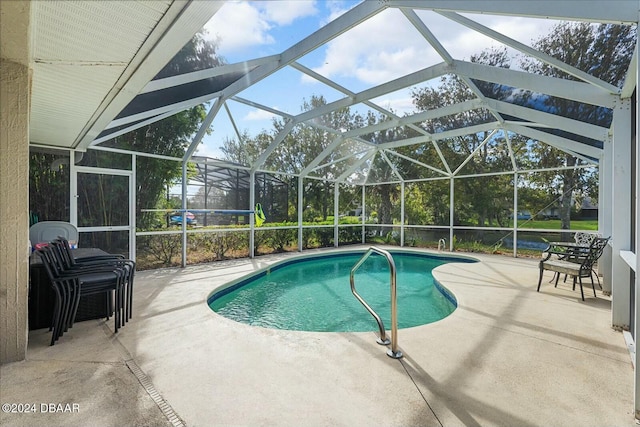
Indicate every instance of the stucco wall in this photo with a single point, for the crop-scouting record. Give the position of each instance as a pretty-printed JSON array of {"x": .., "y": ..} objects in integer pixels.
[{"x": 14, "y": 179}]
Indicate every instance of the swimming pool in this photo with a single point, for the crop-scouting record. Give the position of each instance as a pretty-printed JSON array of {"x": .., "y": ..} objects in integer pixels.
[{"x": 314, "y": 294}]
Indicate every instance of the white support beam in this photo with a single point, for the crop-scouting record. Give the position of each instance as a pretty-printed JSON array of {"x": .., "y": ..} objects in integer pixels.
[
  {"x": 233, "y": 122},
  {"x": 441, "y": 135},
  {"x": 320, "y": 157},
  {"x": 474, "y": 88},
  {"x": 442, "y": 158},
  {"x": 319, "y": 77},
  {"x": 636, "y": 283},
  {"x": 561, "y": 88},
  {"x": 551, "y": 120},
  {"x": 610, "y": 11},
  {"x": 195, "y": 76},
  {"x": 448, "y": 110},
  {"x": 630, "y": 82},
  {"x": 300, "y": 211},
  {"x": 346, "y": 174},
  {"x": 391, "y": 165},
  {"x": 336, "y": 212},
  {"x": 261, "y": 107},
  {"x": 173, "y": 109},
  {"x": 341, "y": 159},
  {"x": 547, "y": 59},
  {"x": 273, "y": 145},
  {"x": 133, "y": 196},
  {"x": 184, "y": 208},
  {"x": 252, "y": 222},
  {"x": 168, "y": 110},
  {"x": 452, "y": 193},
  {"x": 314, "y": 125},
  {"x": 402, "y": 221},
  {"x": 572, "y": 147},
  {"x": 478, "y": 148},
  {"x": 347, "y": 92},
  {"x": 132, "y": 128},
  {"x": 515, "y": 214},
  {"x": 204, "y": 127},
  {"x": 512, "y": 156},
  {"x": 419, "y": 25},
  {"x": 333, "y": 29},
  {"x": 424, "y": 165},
  {"x": 177, "y": 26},
  {"x": 364, "y": 228},
  {"x": 621, "y": 215},
  {"x": 411, "y": 79},
  {"x": 605, "y": 203}
]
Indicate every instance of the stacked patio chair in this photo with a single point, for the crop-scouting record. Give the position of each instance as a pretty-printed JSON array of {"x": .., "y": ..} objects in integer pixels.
[
  {"x": 576, "y": 263},
  {"x": 70, "y": 262},
  {"x": 72, "y": 279}
]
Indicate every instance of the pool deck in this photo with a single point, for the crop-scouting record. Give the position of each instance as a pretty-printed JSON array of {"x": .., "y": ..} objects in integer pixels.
[{"x": 508, "y": 356}]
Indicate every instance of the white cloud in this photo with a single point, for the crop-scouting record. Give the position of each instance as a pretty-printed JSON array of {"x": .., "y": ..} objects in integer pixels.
[
  {"x": 258, "y": 114},
  {"x": 382, "y": 48},
  {"x": 284, "y": 12},
  {"x": 242, "y": 25},
  {"x": 238, "y": 26},
  {"x": 387, "y": 47}
]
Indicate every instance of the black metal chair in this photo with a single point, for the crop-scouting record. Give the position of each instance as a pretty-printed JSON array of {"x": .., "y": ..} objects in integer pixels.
[
  {"x": 70, "y": 262},
  {"x": 71, "y": 284},
  {"x": 577, "y": 263}
]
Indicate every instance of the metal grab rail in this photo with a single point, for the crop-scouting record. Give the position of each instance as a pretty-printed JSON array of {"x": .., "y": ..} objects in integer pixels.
[{"x": 383, "y": 340}]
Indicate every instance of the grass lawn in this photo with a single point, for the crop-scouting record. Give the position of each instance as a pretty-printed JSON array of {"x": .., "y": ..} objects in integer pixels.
[{"x": 554, "y": 224}]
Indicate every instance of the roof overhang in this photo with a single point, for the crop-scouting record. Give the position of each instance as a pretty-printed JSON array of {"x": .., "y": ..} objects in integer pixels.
[{"x": 90, "y": 59}]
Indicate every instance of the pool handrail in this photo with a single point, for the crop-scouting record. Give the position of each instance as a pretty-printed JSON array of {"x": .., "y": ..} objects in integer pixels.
[{"x": 382, "y": 340}]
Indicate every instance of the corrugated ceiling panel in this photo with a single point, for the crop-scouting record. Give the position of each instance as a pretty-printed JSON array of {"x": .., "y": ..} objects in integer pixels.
[
  {"x": 65, "y": 97},
  {"x": 93, "y": 31},
  {"x": 80, "y": 50}
]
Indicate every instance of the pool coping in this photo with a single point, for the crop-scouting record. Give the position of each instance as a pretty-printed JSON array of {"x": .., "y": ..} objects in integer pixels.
[{"x": 506, "y": 349}]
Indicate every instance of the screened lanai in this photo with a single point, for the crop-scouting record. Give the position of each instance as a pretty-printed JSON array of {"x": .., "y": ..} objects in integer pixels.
[
  {"x": 432, "y": 149},
  {"x": 489, "y": 139},
  {"x": 351, "y": 164}
]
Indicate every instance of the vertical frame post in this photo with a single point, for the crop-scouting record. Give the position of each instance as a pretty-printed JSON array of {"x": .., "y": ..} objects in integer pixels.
[
  {"x": 451, "y": 211},
  {"x": 336, "y": 213}
]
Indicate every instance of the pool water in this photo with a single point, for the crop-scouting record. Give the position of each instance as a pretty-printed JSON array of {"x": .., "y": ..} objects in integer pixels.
[{"x": 314, "y": 294}]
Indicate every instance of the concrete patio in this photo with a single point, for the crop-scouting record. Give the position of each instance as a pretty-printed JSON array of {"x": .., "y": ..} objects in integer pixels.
[{"x": 507, "y": 356}]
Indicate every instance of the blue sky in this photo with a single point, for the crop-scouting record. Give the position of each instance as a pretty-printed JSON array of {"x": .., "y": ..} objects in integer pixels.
[{"x": 383, "y": 48}]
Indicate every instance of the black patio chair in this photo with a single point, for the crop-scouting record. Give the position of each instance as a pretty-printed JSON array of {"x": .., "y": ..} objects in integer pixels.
[
  {"x": 71, "y": 284},
  {"x": 70, "y": 262},
  {"x": 577, "y": 264}
]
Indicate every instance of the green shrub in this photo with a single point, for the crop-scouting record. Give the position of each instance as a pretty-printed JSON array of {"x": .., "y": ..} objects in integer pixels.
[
  {"x": 279, "y": 239},
  {"x": 161, "y": 248},
  {"x": 217, "y": 243},
  {"x": 350, "y": 235}
]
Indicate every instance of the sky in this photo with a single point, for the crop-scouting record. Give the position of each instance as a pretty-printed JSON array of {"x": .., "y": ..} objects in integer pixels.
[{"x": 382, "y": 48}]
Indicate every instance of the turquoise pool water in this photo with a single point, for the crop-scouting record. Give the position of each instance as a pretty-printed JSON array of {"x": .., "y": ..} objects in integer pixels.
[{"x": 314, "y": 294}]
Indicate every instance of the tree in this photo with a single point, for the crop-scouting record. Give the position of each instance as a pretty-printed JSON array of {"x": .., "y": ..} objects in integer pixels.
[
  {"x": 603, "y": 51},
  {"x": 48, "y": 186},
  {"x": 481, "y": 200}
]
